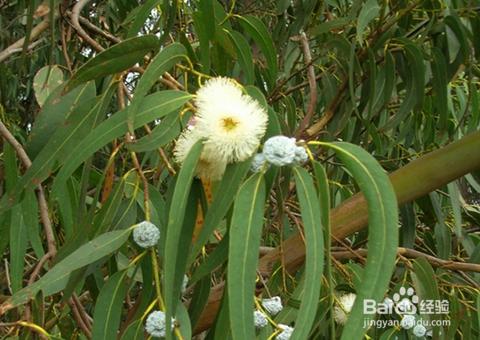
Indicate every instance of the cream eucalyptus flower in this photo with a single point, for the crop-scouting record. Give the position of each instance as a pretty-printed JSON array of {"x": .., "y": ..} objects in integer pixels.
[{"x": 230, "y": 123}]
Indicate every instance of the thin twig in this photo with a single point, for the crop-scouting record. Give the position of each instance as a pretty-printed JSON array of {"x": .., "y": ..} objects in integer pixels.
[
  {"x": 78, "y": 318},
  {"x": 42, "y": 202},
  {"x": 38, "y": 267},
  {"x": 85, "y": 317},
  {"x": 43, "y": 207},
  {"x": 332, "y": 107},
  {"x": 167, "y": 79},
  {"x": 413, "y": 254},
  {"x": 312, "y": 83},
  {"x": 121, "y": 90}
]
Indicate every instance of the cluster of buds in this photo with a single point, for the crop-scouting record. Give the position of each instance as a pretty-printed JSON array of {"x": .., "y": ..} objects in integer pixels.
[{"x": 279, "y": 151}]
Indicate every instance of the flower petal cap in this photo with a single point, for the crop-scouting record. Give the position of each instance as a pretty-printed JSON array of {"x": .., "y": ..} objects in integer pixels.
[
  {"x": 155, "y": 325},
  {"x": 280, "y": 150},
  {"x": 408, "y": 321},
  {"x": 146, "y": 234},
  {"x": 258, "y": 162},
  {"x": 419, "y": 330},
  {"x": 259, "y": 319},
  {"x": 286, "y": 333},
  {"x": 301, "y": 155},
  {"x": 343, "y": 308},
  {"x": 273, "y": 305}
]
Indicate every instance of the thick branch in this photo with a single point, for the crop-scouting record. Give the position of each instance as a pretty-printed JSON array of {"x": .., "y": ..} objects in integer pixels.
[
  {"x": 76, "y": 24},
  {"x": 18, "y": 45}
]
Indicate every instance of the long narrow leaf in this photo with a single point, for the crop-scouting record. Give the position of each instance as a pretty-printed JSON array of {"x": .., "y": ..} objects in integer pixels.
[
  {"x": 174, "y": 229},
  {"x": 108, "y": 307},
  {"x": 312, "y": 224},
  {"x": 56, "y": 278},
  {"x": 245, "y": 232},
  {"x": 382, "y": 232}
]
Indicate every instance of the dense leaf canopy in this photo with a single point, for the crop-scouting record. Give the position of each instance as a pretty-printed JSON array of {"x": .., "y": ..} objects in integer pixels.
[{"x": 98, "y": 98}]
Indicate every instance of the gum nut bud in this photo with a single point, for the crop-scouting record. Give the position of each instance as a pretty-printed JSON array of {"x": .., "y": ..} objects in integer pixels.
[
  {"x": 259, "y": 319},
  {"x": 408, "y": 321},
  {"x": 280, "y": 150},
  {"x": 419, "y": 330},
  {"x": 146, "y": 234},
  {"x": 286, "y": 333},
  {"x": 273, "y": 305},
  {"x": 258, "y": 162},
  {"x": 155, "y": 325},
  {"x": 301, "y": 155}
]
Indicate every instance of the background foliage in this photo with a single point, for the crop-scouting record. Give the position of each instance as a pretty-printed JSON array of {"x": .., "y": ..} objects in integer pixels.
[{"x": 96, "y": 93}]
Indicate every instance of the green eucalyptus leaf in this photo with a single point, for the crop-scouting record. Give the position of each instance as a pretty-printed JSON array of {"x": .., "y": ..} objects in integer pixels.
[
  {"x": 245, "y": 232},
  {"x": 115, "y": 59}
]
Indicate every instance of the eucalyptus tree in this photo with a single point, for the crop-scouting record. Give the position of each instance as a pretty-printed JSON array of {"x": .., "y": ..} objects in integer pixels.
[{"x": 240, "y": 169}]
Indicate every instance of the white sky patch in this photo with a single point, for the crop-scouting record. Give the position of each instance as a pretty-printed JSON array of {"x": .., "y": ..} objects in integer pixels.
[
  {"x": 131, "y": 80},
  {"x": 87, "y": 52},
  {"x": 151, "y": 23}
]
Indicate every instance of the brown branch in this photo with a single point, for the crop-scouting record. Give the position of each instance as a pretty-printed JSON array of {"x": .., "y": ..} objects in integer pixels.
[
  {"x": 84, "y": 21},
  {"x": 42, "y": 202},
  {"x": 312, "y": 83},
  {"x": 332, "y": 107},
  {"x": 410, "y": 182},
  {"x": 316, "y": 128},
  {"x": 78, "y": 318},
  {"x": 18, "y": 45},
  {"x": 43, "y": 207},
  {"x": 167, "y": 79},
  {"x": 76, "y": 24},
  {"x": 29, "y": 47},
  {"x": 38, "y": 267},
  {"x": 414, "y": 254}
]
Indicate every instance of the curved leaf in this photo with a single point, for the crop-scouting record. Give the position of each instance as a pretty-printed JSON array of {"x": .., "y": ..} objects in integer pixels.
[
  {"x": 259, "y": 32},
  {"x": 117, "y": 58},
  {"x": 174, "y": 230},
  {"x": 225, "y": 194},
  {"x": 244, "y": 54},
  {"x": 152, "y": 107},
  {"x": 245, "y": 233},
  {"x": 108, "y": 307},
  {"x": 368, "y": 12},
  {"x": 382, "y": 231},
  {"x": 166, "y": 131},
  {"x": 61, "y": 144},
  {"x": 312, "y": 224},
  {"x": 56, "y": 109},
  {"x": 162, "y": 62},
  {"x": 57, "y": 277}
]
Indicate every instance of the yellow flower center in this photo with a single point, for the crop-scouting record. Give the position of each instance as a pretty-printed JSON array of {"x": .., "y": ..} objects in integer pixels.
[{"x": 229, "y": 123}]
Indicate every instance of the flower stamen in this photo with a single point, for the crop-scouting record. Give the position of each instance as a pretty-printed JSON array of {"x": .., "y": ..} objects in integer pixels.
[{"x": 229, "y": 124}]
